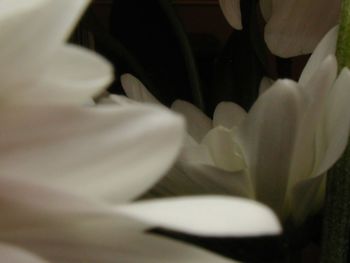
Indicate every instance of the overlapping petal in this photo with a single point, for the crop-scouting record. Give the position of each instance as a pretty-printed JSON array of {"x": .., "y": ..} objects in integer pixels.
[
  {"x": 267, "y": 135},
  {"x": 14, "y": 254},
  {"x": 89, "y": 150},
  {"x": 227, "y": 217}
]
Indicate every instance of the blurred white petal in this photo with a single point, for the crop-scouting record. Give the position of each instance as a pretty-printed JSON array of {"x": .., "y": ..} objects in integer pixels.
[
  {"x": 73, "y": 75},
  {"x": 12, "y": 254},
  {"x": 111, "y": 152},
  {"x": 232, "y": 12},
  {"x": 325, "y": 48},
  {"x": 206, "y": 216},
  {"x": 295, "y": 27},
  {"x": 228, "y": 114},
  {"x": 40, "y": 28},
  {"x": 102, "y": 242},
  {"x": 198, "y": 124},
  {"x": 268, "y": 135}
]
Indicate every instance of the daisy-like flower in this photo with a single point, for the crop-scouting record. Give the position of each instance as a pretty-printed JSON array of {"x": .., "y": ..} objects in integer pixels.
[
  {"x": 292, "y": 27},
  {"x": 279, "y": 152},
  {"x": 68, "y": 171}
]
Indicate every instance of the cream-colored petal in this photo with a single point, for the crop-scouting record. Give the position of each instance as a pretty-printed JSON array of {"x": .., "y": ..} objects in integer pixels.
[
  {"x": 73, "y": 76},
  {"x": 325, "y": 48},
  {"x": 39, "y": 30},
  {"x": 135, "y": 90},
  {"x": 337, "y": 123},
  {"x": 198, "y": 179},
  {"x": 232, "y": 12},
  {"x": 12, "y": 254},
  {"x": 223, "y": 149},
  {"x": 315, "y": 93},
  {"x": 104, "y": 243},
  {"x": 206, "y": 216},
  {"x": 267, "y": 141},
  {"x": 296, "y": 26},
  {"x": 198, "y": 124},
  {"x": 107, "y": 152},
  {"x": 228, "y": 114}
]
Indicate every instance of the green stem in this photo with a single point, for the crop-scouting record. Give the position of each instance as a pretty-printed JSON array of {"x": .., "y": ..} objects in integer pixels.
[
  {"x": 336, "y": 225},
  {"x": 343, "y": 45}
]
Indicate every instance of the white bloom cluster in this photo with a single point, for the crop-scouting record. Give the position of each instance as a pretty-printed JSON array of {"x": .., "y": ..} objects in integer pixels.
[{"x": 68, "y": 171}]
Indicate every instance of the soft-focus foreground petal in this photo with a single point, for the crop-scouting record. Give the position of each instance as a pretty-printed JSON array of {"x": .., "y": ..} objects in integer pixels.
[
  {"x": 206, "y": 216},
  {"x": 135, "y": 90},
  {"x": 228, "y": 114},
  {"x": 73, "y": 75},
  {"x": 325, "y": 48},
  {"x": 295, "y": 28},
  {"x": 198, "y": 124},
  {"x": 267, "y": 141},
  {"x": 12, "y": 254},
  {"x": 41, "y": 26},
  {"x": 103, "y": 243},
  {"x": 337, "y": 122},
  {"x": 110, "y": 152},
  {"x": 232, "y": 12}
]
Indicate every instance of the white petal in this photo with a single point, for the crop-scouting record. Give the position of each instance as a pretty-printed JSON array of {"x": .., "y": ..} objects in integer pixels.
[
  {"x": 268, "y": 135},
  {"x": 135, "y": 90},
  {"x": 12, "y": 254},
  {"x": 266, "y": 8},
  {"x": 103, "y": 243},
  {"x": 39, "y": 30},
  {"x": 325, "y": 48},
  {"x": 337, "y": 121},
  {"x": 232, "y": 12},
  {"x": 198, "y": 124},
  {"x": 265, "y": 84},
  {"x": 206, "y": 216},
  {"x": 223, "y": 149},
  {"x": 228, "y": 114},
  {"x": 73, "y": 75},
  {"x": 111, "y": 152},
  {"x": 295, "y": 26},
  {"x": 316, "y": 92},
  {"x": 307, "y": 198},
  {"x": 197, "y": 179}
]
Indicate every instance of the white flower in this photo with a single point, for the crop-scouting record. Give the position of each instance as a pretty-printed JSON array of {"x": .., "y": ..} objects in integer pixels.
[
  {"x": 68, "y": 172},
  {"x": 292, "y": 27},
  {"x": 279, "y": 152}
]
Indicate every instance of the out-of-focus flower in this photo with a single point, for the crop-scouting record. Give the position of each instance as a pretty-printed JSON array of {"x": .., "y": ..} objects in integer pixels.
[
  {"x": 292, "y": 27},
  {"x": 279, "y": 152},
  {"x": 68, "y": 171},
  {"x": 37, "y": 66}
]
